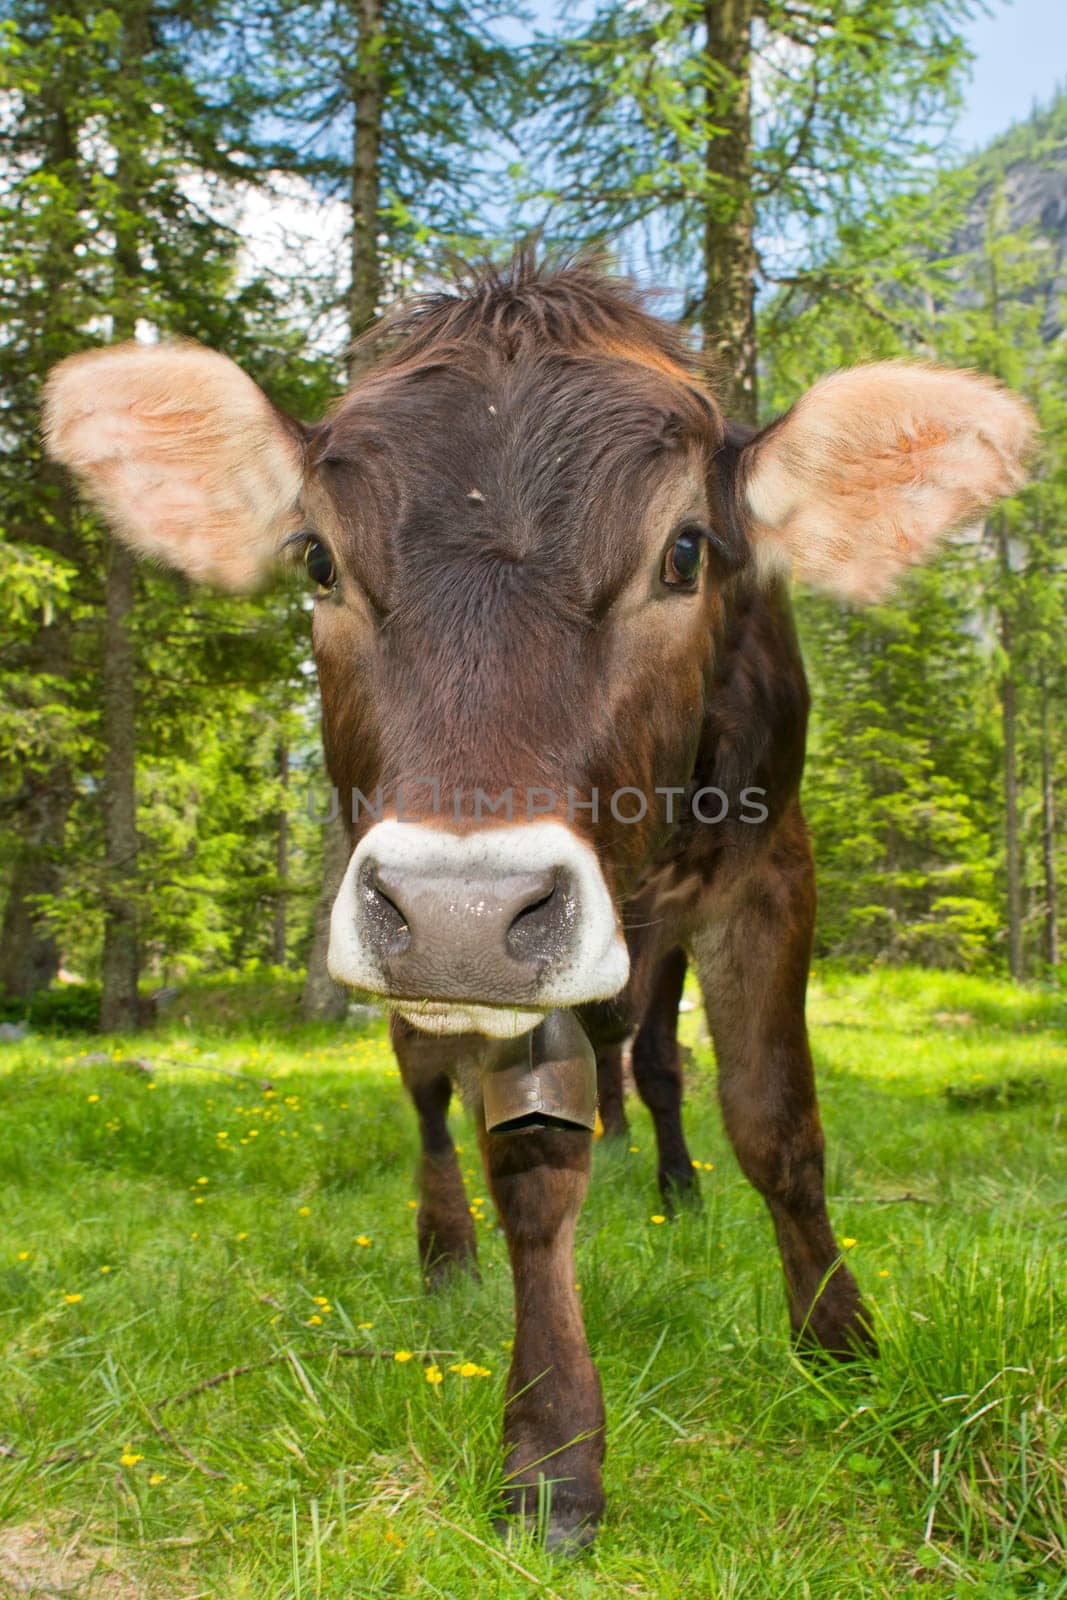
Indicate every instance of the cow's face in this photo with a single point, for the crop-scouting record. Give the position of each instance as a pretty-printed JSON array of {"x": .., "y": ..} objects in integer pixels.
[
  {"x": 518, "y": 574},
  {"x": 519, "y": 542}
]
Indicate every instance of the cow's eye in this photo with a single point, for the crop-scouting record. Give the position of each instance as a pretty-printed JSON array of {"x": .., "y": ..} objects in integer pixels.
[
  {"x": 319, "y": 563},
  {"x": 684, "y": 559}
]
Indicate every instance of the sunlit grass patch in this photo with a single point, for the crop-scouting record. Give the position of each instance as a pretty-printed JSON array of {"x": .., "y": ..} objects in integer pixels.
[{"x": 206, "y": 1281}]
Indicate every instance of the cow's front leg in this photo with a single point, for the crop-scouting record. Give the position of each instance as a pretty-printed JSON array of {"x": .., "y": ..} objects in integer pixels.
[
  {"x": 554, "y": 1415},
  {"x": 444, "y": 1222},
  {"x": 753, "y": 965}
]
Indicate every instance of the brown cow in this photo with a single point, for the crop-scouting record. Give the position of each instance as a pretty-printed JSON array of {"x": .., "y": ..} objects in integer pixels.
[{"x": 558, "y": 670}]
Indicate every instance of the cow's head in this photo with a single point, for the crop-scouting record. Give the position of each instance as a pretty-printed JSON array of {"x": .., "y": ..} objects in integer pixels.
[{"x": 520, "y": 527}]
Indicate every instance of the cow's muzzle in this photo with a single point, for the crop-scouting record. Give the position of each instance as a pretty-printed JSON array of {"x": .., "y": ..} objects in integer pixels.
[{"x": 485, "y": 931}]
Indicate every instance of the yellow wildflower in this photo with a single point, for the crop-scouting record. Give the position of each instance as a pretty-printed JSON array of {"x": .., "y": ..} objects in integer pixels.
[
  {"x": 846, "y": 1244},
  {"x": 364, "y": 1240},
  {"x": 314, "y": 1321},
  {"x": 469, "y": 1369},
  {"x": 24, "y": 1255},
  {"x": 92, "y": 1099},
  {"x": 129, "y": 1458},
  {"x": 655, "y": 1217},
  {"x": 156, "y": 1478},
  {"x": 434, "y": 1375},
  {"x": 304, "y": 1211},
  {"x": 105, "y": 1269},
  {"x": 402, "y": 1355},
  {"x": 72, "y": 1299}
]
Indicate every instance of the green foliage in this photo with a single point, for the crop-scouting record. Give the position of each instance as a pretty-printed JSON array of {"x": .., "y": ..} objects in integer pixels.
[
  {"x": 220, "y": 684},
  {"x": 899, "y": 800},
  {"x": 906, "y": 787},
  {"x": 67, "y": 1008}
]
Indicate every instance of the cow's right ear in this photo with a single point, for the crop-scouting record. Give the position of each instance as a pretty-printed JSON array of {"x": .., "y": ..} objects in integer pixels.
[{"x": 183, "y": 453}]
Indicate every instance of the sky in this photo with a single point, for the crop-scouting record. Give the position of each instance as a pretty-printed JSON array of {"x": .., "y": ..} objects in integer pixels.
[{"x": 1020, "y": 56}]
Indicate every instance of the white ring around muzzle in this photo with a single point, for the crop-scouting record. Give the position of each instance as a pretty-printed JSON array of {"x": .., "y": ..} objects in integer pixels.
[{"x": 596, "y": 967}]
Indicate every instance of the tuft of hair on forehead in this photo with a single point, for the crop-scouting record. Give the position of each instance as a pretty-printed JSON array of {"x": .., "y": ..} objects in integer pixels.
[{"x": 526, "y": 307}]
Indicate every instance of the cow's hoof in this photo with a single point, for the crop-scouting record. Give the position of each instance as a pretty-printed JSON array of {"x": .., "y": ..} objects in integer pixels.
[
  {"x": 830, "y": 1338},
  {"x": 564, "y": 1532},
  {"x": 561, "y": 1516},
  {"x": 440, "y": 1270},
  {"x": 679, "y": 1188},
  {"x": 564, "y": 1538}
]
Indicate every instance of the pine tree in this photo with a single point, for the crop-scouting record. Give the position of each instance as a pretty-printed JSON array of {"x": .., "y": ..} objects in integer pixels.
[
  {"x": 103, "y": 232},
  {"x": 733, "y": 135},
  {"x": 940, "y": 274}
]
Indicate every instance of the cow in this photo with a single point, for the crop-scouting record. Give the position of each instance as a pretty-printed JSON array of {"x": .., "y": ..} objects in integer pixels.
[{"x": 562, "y": 688}]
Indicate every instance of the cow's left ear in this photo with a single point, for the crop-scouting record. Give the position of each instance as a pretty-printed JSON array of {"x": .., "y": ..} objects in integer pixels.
[{"x": 873, "y": 466}]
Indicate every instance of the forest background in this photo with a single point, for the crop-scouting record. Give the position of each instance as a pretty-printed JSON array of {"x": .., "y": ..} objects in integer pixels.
[{"x": 784, "y": 170}]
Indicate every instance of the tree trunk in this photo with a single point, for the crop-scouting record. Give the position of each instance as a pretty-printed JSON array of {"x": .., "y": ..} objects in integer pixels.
[
  {"x": 728, "y": 309},
  {"x": 1012, "y": 843},
  {"x": 121, "y": 952},
  {"x": 322, "y": 999},
  {"x": 119, "y": 963},
  {"x": 279, "y": 941},
  {"x": 1048, "y": 834},
  {"x": 29, "y": 954},
  {"x": 366, "y": 88}
]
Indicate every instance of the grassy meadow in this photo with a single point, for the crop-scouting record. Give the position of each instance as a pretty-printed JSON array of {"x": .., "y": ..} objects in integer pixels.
[{"x": 216, "y": 1353}]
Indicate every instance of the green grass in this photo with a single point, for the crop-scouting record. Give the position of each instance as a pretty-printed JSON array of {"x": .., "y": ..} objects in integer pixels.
[{"x": 732, "y": 1469}]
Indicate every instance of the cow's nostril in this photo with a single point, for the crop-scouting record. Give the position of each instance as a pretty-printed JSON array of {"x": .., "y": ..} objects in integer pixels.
[
  {"x": 539, "y": 929},
  {"x": 386, "y": 924}
]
